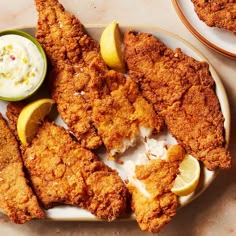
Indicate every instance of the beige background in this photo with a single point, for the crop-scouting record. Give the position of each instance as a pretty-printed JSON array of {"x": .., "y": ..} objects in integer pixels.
[{"x": 214, "y": 212}]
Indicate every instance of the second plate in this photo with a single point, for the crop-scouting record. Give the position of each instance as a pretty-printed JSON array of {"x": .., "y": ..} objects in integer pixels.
[{"x": 220, "y": 40}]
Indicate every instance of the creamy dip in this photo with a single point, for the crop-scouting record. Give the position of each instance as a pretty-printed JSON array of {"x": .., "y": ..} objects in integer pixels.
[{"x": 21, "y": 66}]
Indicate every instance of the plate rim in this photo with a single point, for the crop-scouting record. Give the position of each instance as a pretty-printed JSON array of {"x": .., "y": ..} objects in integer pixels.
[
  {"x": 215, "y": 77},
  {"x": 199, "y": 36}
]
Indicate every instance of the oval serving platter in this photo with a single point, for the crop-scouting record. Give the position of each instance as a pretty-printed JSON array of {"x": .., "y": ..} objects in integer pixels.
[{"x": 68, "y": 213}]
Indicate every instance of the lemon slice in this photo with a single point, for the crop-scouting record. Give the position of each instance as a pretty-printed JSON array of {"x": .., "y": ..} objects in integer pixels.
[
  {"x": 110, "y": 46},
  {"x": 31, "y": 117},
  {"x": 187, "y": 181}
]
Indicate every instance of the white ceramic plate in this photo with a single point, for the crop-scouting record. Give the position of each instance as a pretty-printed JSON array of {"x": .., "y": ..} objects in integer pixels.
[
  {"x": 220, "y": 40},
  {"x": 172, "y": 41}
]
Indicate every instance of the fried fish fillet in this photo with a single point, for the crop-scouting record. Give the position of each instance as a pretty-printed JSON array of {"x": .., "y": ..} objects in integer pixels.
[
  {"x": 220, "y": 13},
  {"x": 183, "y": 93},
  {"x": 76, "y": 68},
  {"x": 63, "y": 172},
  {"x": 17, "y": 199},
  {"x": 150, "y": 186},
  {"x": 12, "y": 113},
  {"x": 93, "y": 101}
]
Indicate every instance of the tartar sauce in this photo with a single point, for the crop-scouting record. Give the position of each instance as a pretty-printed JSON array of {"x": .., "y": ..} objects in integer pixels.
[{"x": 21, "y": 66}]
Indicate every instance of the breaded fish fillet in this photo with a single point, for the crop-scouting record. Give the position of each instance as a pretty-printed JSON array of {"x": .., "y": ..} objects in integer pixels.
[
  {"x": 220, "y": 13},
  {"x": 90, "y": 97},
  {"x": 12, "y": 113},
  {"x": 63, "y": 172},
  {"x": 76, "y": 68},
  {"x": 150, "y": 186},
  {"x": 17, "y": 199},
  {"x": 183, "y": 93}
]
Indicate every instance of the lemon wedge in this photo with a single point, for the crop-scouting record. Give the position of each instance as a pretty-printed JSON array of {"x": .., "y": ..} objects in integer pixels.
[
  {"x": 31, "y": 117},
  {"x": 111, "y": 47},
  {"x": 187, "y": 181}
]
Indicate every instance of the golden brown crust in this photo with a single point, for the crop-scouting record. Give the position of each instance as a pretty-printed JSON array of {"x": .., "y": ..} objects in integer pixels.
[
  {"x": 158, "y": 176},
  {"x": 203, "y": 134},
  {"x": 119, "y": 116},
  {"x": 16, "y": 197},
  {"x": 76, "y": 68},
  {"x": 62, "y": 172},
  {"x": 182, "y": 91},
  {"x": 220, "y": 13},
  {"x": 12, "y": 113}
]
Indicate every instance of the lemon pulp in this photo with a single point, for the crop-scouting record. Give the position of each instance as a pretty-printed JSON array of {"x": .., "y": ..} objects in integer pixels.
[
  {"x": 31, "y": 117},
  {"x": 111, "y": 47},
  {"x": 187, "y": 181}
]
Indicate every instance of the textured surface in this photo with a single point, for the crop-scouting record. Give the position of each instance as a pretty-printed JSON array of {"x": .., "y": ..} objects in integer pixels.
[
  {"x": 182, "y": 91},
  {"x": 63, "y": 172},
  {"x": 158, "y": 176},
  {"x": 16, "y": 197},
  {"x": 220, "y": 13}
]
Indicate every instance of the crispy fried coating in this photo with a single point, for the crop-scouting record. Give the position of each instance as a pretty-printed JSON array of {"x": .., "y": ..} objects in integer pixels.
[
  {"x": 153, "y": 212},
  {"x": 62, "y": 172},
  {"x": 16, "y": 197},
  {"x": 183, "y": 93},
  {"x": 76, "y": 68},
  {"x": 220, "y": 13},
  {"x": 90, "y": 97},
  {"x": 12, "y": 113},
  {"x": 54, "y": 171},
  {"x": 204, "y": 131},
  {"x": 123, "y": 116}
]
